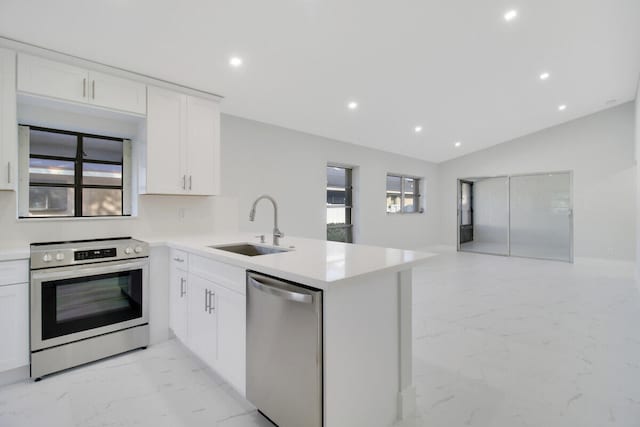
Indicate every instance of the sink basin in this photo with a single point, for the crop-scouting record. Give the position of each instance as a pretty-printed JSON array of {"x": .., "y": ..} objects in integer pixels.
[{"x": 249, "y": 249}]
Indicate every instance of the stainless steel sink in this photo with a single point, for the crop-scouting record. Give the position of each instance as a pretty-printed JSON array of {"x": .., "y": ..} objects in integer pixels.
[{"x": 249, "y": 249}]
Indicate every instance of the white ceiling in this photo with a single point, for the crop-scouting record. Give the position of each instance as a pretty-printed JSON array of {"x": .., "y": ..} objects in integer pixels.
[{"x": 453, "y": 66}]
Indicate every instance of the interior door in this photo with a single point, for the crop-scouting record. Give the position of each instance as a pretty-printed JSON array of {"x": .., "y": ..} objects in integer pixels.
[{"x": 541, "y": 216}]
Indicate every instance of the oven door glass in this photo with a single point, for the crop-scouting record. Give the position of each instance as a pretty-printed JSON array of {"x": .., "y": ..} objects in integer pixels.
[{"x": 82, "y": 303}]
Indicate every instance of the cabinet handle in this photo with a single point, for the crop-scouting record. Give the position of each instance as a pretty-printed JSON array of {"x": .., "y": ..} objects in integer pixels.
[
  {"x": 84, "y": 87},
  {"x": 178, "y": 259},
  {"x": 183, "y": 292},
  {"x": 184, "y": 182},
  {"x": 8, "y": 172},
  {"x": 212, "y": 301},
  {"x": 93, "y": 89},
  {"x": 190, "y": 180},
  {"x": 206, "y": 300}
]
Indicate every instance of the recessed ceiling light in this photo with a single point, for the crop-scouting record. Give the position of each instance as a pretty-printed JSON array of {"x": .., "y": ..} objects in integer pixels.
[
  {"x": 458, "y": 144},
  {"x": 562, "y": 107},
  {"x": 352, "y": 105},
  {"x": 510, "y": 15},
  {"x": 544, "y": 76},
  {"x": 418, "y": 129},
  {"x": 235, "y": 61}
]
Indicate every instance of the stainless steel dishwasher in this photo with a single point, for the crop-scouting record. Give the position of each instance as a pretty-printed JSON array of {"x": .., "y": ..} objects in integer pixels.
[{"x": 284, "y": 351}]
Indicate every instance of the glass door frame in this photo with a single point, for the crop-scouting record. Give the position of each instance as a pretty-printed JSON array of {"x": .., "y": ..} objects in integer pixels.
[{"x": 459, "y": 182}]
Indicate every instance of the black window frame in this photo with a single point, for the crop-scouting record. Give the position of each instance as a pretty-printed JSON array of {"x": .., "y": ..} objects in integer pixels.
[
  {"x": 348, "y": 206},
  {"x": 79, "y": 159}
]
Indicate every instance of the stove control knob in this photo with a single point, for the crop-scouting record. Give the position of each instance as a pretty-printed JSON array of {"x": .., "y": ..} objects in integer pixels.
[
  {"x": 47, "y": 258},
  {"x": 138, "y": 249},
  {"x": 59, "y": 256},
  {"x": 128, "y": 251}
]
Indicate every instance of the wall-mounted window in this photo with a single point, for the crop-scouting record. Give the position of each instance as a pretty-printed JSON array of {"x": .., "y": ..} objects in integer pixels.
[
  {"x": 339, "y": 204},
  {"x": 403, "y": 194},
  {"x": 71, "y": 174}
]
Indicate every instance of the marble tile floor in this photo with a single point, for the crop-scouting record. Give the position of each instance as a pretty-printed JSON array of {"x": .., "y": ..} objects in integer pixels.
[{"x": 500, "y": 342}]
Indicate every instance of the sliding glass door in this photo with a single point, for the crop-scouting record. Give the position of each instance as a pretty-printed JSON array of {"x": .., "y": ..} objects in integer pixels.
[
  {"x": 484, "y": 215},
  {"x": 522, "y": 215},
  {"x": 541, "y": 216}
]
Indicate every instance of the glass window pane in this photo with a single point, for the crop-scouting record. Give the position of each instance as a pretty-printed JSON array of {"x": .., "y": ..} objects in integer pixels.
[
  {"x": 336, "y": 197},
  {"x": 101, "y": 174},
  {"x": 101, "y": 202},
  {"x": 45, "y": 171},
  {"x": 394, "y": 194},
  {"x": 409, "y": 185},
  {"x": 339, "y": 234},
  {"x": 51, "y": 201},
  {"x": 101, "y": 149},
  {"x": 336, "y": 177},
  {"x": 338, "y": 215},
  {"x": 52, "y": 144},
  {"x": 409, "y": 203}
]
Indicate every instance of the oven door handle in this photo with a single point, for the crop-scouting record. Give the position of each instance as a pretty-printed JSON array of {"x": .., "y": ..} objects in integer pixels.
[{"x": 74, "y": 271}]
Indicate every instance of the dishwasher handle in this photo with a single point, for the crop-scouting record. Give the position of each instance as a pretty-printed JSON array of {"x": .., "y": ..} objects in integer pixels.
[{"x": 279, "y": 292}]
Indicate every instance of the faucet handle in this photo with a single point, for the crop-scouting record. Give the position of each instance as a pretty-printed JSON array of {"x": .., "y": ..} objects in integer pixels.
[{"x": 261, "y": 237}]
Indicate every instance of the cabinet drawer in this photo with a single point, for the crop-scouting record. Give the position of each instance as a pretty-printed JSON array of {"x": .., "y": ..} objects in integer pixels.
[
  {"x": 226, "y": 275},
  {"x": 179, "y": 259},
  {"x": 12, "y": 272}
]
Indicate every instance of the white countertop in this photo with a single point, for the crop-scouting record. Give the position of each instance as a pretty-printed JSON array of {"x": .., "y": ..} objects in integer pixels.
[{"x": 317, "y": 263}]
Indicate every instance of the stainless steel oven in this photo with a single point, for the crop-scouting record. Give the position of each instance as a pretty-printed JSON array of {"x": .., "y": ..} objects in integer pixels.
[{"x": 89, "y": 300}]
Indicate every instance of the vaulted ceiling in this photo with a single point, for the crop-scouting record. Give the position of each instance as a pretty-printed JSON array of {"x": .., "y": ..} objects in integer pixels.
[{"x": 456, "y": 68}]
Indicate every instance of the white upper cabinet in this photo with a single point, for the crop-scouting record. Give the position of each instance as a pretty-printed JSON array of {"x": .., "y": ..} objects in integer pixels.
[
  {"x": 183, "y": 144},
  {"x": 165, "y": 156},
  {"x": 117, "y": 93},
  {"x": 50, "y": 78},
  {"x": 8, "y": 121},
  {"x": 203, "y": 146},
  {"x": 39, "y": 76}
]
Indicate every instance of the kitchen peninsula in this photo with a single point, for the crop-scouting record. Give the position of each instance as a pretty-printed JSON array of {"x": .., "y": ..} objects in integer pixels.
[{"x": 366, "y": 294}]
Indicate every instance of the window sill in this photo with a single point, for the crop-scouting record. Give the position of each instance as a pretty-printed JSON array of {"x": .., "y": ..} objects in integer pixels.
[
  {"x": 405, "y": 213},
  {"x": 78, "y": 218}
]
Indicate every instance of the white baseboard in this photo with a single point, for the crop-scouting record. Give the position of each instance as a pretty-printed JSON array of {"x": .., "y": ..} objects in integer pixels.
[
  {"x": 15, "y": 375},
  {"x": 407, "y": 403}
]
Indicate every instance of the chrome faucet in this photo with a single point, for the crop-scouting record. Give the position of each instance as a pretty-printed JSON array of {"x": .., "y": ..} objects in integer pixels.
[{"x": 277, "y": 234}]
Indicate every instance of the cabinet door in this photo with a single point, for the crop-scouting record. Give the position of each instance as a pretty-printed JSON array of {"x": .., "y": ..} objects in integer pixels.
[
  {"x": 202, "y": 319},
  {"x": 231, "y": 309},
  {"x": 50, "y": 78},
  {"x": 178, "y": 292},
  {"x": 203, "y": 146},
  {"x": 117, "y": 93},
  {"x": 8, "y": 121},
  {"x": 165, "y": 154},
  {"x": 14, "y": 335}
]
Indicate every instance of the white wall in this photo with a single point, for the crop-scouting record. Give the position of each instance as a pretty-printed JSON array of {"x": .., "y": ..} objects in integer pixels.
[
  {"x": 158, "y": 216},
  {"x": 637, "y": 159},
  {"x": 291, "y": 166},
  {"x": 599, "y": 149}
]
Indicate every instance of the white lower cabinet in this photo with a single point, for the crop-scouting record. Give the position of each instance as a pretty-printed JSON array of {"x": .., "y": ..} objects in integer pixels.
[
  {"x": 207, "y": 310},
  {"x": 14, "y": 314},
  {"x": 178, "y": 292},
  {"x": 202, "y": 319},
  {"x": 231, "y": 364}
]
